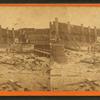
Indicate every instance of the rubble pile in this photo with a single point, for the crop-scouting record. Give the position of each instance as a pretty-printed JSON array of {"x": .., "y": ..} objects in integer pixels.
[
  {"x": 24, "y": 72},
  {"x": 84, "y": 85},
  {"x": 10, "y": 85},
  {"x": 91, "y": 60},
  {"x": 29, "y": 62},
  {"x": 81, "y": 73},
  {"x": 71, "y": 55}
]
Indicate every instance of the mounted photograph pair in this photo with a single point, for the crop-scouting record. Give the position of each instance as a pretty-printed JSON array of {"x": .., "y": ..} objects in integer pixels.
[{"x": 49, "y": 49}]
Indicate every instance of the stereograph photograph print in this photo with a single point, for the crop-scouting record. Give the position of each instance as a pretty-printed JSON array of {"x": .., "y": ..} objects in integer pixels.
[{"x": 49, "y": 49}]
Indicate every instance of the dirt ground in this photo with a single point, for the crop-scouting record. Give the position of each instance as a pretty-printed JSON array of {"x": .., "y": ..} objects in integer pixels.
[
  {"x": 80, "y": 73},
  {"x": 24, "y": 72}
]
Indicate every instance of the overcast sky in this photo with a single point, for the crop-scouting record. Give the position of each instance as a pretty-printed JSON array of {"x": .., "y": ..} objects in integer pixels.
[{"x": 39, "y": 17}]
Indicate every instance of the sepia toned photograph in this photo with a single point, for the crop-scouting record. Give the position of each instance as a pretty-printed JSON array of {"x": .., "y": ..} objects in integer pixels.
[
  {"x": 49, "y": 48},
  {"x": 24, "y": 50}
]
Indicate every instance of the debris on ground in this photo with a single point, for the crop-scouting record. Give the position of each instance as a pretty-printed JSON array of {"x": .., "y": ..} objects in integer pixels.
[
  {"x": 23, "y": 72},
  {"x": 79, "y": 74}
]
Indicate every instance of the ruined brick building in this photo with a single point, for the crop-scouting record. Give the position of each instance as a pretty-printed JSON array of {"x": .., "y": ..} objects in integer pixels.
[
  {"x": 74, "y": 37},
  {"x": 55, "y": 39}
]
